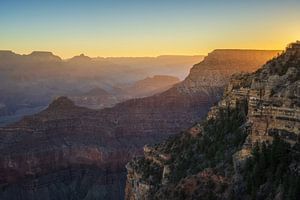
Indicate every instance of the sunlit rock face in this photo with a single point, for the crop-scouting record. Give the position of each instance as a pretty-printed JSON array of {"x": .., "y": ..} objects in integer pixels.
[
  {"x": 208, "y": 160},
  {"x": 69, "y": 150},
  {"x": 219, "y": 65}
]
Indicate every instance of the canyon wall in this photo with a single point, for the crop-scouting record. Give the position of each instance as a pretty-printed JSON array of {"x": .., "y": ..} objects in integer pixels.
[
  {"x": 55, "y": 151},
  {"x": 246, "y": 148}
]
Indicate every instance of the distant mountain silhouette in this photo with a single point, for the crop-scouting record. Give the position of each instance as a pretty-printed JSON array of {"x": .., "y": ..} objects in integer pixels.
[{"x": 29, "y": 82}]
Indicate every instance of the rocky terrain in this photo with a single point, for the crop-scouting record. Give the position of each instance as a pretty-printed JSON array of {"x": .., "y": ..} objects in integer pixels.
[
  {"x": 150, "y": 86},
  {"x": 98, "y": 98},
  {"x": 72, "y": 152},
  {"x": 246, "y": 148},
  {"x": 28, "y": 83}
]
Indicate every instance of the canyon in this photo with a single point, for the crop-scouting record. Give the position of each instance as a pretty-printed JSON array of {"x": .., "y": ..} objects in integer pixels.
[
  {"x": 72, "y": 152},
  {"x": 28, "y": 83},
  {"x": 247, "y": 147},
  {"x": 98, "y": 98}
]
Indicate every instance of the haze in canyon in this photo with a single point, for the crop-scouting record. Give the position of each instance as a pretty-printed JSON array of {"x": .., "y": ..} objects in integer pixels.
[
  {"x": 149, "y": 100},
  {"x": 30, "y": 82},
  {"x": 85, "y": 150}
]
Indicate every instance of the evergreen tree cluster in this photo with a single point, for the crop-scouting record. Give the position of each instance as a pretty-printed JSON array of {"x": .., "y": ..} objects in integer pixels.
[
  {"x": 269, "y": 169},
  {"x": 214, "y": 149}
]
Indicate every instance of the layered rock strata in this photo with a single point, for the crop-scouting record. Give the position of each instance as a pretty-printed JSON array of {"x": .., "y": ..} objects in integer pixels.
[
  {"x": 208, "y": 160},
  {"x": 56, "y": 150}
]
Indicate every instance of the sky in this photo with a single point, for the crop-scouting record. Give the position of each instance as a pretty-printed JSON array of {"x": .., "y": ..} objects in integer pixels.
[{"x": 146, "y": 27}]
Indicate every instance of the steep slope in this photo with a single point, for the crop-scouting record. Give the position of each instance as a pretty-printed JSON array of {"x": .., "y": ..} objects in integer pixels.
[
  {"x": 150, "y": 85},
  {"x": 78, "y": 153},
  {"x": 98, "y": 98},
  {"x": 246, "y": 148},
  {"x": 220, "y": 64}
]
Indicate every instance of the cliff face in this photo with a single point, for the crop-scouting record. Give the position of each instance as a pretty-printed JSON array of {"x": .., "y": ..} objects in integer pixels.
[
  {"x": 78, "y": 153},
  {"x": 219, "y": 65},
  {"x": 246, "y": 148}
]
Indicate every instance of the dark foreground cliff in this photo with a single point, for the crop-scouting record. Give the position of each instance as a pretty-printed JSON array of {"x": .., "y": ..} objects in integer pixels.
[
  {"x": 247, "y": 147},
  {"x": 71, "y": 152}
]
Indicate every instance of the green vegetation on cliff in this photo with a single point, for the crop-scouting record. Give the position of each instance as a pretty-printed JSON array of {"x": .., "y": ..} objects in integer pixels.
[
  {"x": 221, "y": 138},
  {"x": 269, "y": 169},
  {"x": 218, "y": 158}
]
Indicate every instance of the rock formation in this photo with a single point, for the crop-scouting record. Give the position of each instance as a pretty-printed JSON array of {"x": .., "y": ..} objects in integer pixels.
[
  {"x": 98, "y": 98},
  {"x": 246, "y": 148},
  {"x": 150, "y": 86},
  {"x": 73, "y": 152},
  {"x": 28, "y": 83}
]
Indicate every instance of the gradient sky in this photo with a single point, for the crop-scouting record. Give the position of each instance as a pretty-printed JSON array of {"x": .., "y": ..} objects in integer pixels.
[{"x": 146, "y": 27}]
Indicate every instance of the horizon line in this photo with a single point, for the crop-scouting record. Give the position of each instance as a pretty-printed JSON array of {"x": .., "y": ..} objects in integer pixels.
[{"x": 146, "y": 56}]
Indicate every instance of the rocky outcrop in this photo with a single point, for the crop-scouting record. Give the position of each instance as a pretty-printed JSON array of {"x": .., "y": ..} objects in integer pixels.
[
  {"x": 42, "y": 56},
  {"x": 220, "y": 64},
  {"x": 55, "y": 150},
  {"x": 251, "y": 133}
]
